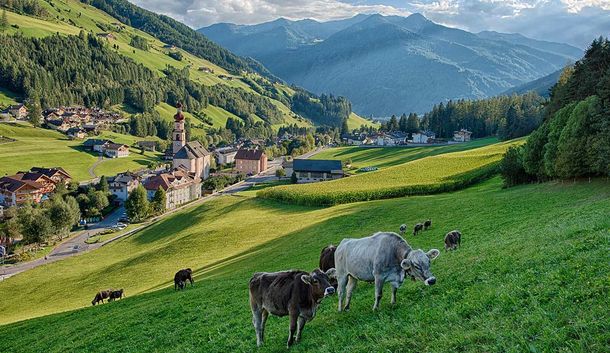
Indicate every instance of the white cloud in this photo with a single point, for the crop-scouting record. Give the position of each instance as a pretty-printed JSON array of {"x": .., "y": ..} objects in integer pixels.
[
  {"x": 576, "y": 6},
  {"x": 199, "y": 13}
]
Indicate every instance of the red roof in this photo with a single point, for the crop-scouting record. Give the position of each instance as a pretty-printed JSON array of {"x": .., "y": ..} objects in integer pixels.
[{"x": 252, "y": 155}]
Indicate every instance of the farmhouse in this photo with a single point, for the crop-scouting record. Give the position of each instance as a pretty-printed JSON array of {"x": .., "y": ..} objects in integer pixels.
[
  {"x": 96, "y": 145},
  {"x": 312, "y": 170},
  {"x": 122, "y": 184},
  {"x": 250, "y": 161},
  {"x": 206, "y": 69},
  {"x": 225, "y": 155},
  {"x": 32, "y": 186},
  {"x": 180, "y": 187},
  {"x": 106, "y": 35},
  {"x": 462, "y": 136},
  {"x": 115, "y": 150},
  {"x": 423, "y": 137},
  {"x": 191, "y": 156},
  {"x": 18, "y": 111}
]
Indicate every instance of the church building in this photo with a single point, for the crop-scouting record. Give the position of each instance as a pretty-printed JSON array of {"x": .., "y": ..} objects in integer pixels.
[{"x": 190, "y": 156}]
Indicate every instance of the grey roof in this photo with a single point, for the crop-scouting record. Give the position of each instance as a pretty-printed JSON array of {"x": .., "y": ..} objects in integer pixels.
[
  {"x": 192, "y": 150},
  {"x": 316, "y": 165}
]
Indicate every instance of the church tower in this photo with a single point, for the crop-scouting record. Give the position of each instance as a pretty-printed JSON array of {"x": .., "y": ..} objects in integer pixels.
[{"x": 179, "y": 134}]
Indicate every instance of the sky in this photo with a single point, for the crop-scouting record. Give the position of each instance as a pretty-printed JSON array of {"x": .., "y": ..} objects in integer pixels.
[{"x": 575, "y": 22}]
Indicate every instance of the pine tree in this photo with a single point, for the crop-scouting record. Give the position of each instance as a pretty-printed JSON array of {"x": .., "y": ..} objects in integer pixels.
[{"x": 159, "y": 201}]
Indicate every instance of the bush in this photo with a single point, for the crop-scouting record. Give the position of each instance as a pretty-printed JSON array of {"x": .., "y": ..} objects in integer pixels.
[{"x": 512, "y": 169}]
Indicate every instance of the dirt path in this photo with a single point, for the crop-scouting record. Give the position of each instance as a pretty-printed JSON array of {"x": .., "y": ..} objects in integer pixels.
[{"x": 100, "y": 159}]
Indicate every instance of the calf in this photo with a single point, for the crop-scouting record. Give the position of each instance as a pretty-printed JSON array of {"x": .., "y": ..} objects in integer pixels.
[
  {"x": 403, "y": 229},
  {"x": 294, "y": 293},
  {"x": 116, "y": 294},
  {"x": 427, "y": 224},
  {"x": 181, "y": 277},
  {"x": 100, "y": 296},
  {"x": 327, "y": 261},
  {"x": 382, "y": 257},
  {"x": 418, "y": 228},
  {"x": 453, "y": 240}
]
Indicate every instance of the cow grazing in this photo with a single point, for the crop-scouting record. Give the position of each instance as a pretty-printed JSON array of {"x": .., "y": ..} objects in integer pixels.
[
  {"x": 453, "y": 240},
  {"x": 418, "y": 228},
  {"x": 382, "y": 257},
  {"x": 116, "y": 294},
  {"x": 403, "y": 229},
  {"x": 327, "y": 258},
  {"x": 427, "y": 224},
  {"x": 294, "y": 293},
  {"x": 181, "y": 277},
  {"x": 100, "y": 296}
]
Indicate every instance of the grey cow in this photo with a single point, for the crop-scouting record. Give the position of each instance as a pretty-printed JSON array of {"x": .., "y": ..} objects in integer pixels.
[{"x": 382, "y": 257}]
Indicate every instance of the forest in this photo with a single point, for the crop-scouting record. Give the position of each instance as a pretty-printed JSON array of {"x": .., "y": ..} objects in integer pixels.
[
  {"x": 574, "y": 139},
  {"x": 175, "y": 33},
  {"x": 327, "y": 110}
]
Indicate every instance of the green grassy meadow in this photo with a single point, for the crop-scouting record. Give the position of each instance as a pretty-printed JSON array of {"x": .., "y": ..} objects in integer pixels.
[
  {"x": 433, "y": 174},
  {"x": 355, "y": 122},
  {"x": 532, "y": 275},
  {"x": 47, "y": 148},
  {"x": 383, "y": 157},
  {"x": 7, "y": 98}
]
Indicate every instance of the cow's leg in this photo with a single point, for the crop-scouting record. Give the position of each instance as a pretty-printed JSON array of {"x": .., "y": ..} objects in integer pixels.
[
  {"x": 341, "y": 283},
  {"x": 378, "y": 291},
  {"x": 300, "y": 326},
  {"x": 257, "y": 321},
  {"x": 394, "y": 289},
  {"x": 265, "y": 315},
  {"x": 294, "y": 317},
  {"x": 351, "y": 285}
]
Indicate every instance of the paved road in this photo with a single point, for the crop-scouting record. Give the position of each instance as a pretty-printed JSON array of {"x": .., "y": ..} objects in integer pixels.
[
  {"x": 91, "y": 170},
  {"x": 67, "y": 248}
]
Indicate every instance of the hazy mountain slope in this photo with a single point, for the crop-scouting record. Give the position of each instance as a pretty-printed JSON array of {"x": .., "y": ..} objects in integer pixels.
[
  {"x": 392, "y": 64},
  {"x": 541, "y": 86}
]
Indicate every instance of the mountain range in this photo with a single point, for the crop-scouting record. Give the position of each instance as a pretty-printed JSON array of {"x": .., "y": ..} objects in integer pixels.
[{"x": 391, "y": 64}]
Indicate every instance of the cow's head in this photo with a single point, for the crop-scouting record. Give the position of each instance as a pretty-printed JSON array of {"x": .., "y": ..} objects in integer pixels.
[
  {"x": 417, "y": 265},
  {"x": 320, "y": 282}
]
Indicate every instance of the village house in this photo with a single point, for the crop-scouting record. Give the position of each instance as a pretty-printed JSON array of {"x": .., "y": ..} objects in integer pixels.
[
  {"x": 97, "y": 145},
  {"x": 423, "y": 137},
  {"x": 225, "y": 155},
  {"x": 122, "y": 184},
  {"x": 18, "y": 111},
  {"x": 180, "y": 187},
  {"x": 354, "y": 139},
  {"x": 32, "y": 186},
  {"x": 385, "y": 140},
  {"x": 313, "y": 170},
  {"x": 462, "y": 136},
  {"x": 206, "y": 69},
  {"x": 116, "y": 150},
  {"x": 250, "y": 161},
  {"x": 76, "y": 133},
  {"x": 106, "y": 35}
]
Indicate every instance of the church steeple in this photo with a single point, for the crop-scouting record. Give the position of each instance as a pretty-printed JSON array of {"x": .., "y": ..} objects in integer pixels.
[{"x": 179, "y": 134}]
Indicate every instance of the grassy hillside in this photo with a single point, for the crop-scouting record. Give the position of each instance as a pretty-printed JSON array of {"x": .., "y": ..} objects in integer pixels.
[
  {"x": 355, "y": 122},
  {"x": 429, "y": 175},
  {"x": 530, "y": 276},
  {"x": 46, "y": 148},
  {"x": 389, "y": 156},
  {"x": 7, "y": 97},
  {"x": 71, "y": 16}
]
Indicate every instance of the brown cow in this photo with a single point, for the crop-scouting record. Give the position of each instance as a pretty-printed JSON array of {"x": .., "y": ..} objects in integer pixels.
[
  {"x": 294, "y": 293},
  {"x": 181, "y": 277},
  {"x": 100, "y": 296},
  {"x": 327, "y": 258},
  {"x": 453, "y": 240},
  {"x": 427, "y": 224},
  {"x": 116, "y": 294},
  {"x": 418, "y": 228}
]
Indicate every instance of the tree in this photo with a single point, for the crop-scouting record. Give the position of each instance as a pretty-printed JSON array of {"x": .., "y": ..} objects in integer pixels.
[
  {"x": 159, "y": 201},
  {"x": 344, "y": 127},
  {"x": 4, "y": 21},
  {"x": 137, "y": 205},
  {"x": 412, "y": 124},
  {"x": 36, "y": 227},
  {"x": 393, "y": 124},
  {"x": 103, "y": 184},
  {"x": 293, "y": 178},
  {"x": 511, "y": 167},
  {"x": 34, "y": 111},
  {"x": 63, "y": 215},
  {"x": 98, "y": 201},
  {"x": 280, "y": 172}
]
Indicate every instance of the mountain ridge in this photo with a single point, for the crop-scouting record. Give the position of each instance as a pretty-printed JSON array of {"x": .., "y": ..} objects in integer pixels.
[{"x": 392, "y": 64}]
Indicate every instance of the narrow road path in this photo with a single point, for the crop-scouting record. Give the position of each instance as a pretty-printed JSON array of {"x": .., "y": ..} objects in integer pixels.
[{"x": 100, "y": 159}]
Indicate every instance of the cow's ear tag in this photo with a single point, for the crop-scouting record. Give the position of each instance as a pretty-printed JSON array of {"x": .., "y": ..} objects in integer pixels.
[
  {"x": 306, "y": 279},
  {"x": 405, "y": 264}
]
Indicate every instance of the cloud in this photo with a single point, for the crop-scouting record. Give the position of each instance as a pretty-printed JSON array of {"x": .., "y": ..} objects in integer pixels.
[
  {"x": 575, "y": 22},
  {"x": 199, "y": 13}
]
